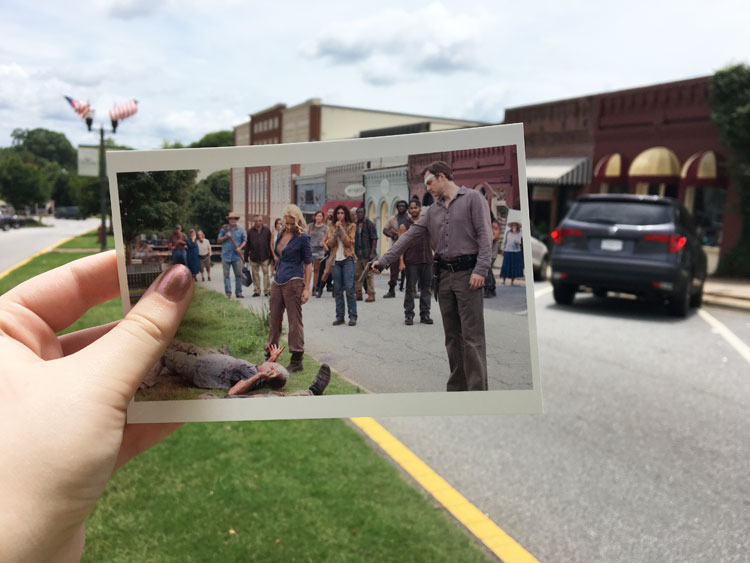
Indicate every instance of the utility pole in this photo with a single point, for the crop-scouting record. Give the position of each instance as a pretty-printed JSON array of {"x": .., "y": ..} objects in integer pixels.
[{"x": 103, "y": 188}]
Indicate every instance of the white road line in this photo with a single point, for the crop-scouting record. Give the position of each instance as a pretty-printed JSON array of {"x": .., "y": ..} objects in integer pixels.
[
  {"x": 540, "y": 292},
  {"x": 727, "y": 334}
]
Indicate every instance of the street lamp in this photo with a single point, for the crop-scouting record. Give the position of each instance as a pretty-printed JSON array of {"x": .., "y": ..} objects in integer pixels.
[{"x": 116, "y": 114}]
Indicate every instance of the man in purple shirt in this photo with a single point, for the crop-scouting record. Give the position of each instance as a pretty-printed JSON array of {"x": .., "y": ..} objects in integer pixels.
[{"x": 458, "y": 224}]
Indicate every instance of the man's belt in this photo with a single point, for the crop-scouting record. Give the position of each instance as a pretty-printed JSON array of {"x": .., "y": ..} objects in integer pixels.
[{"x": 457, "y": 264}]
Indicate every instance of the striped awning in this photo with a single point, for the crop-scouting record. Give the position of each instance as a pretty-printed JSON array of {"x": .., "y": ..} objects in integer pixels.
[
  {"x": 574, "y": 171},
  {"x": 609, "y": 168},
  {"x": 703, "y": 168}
]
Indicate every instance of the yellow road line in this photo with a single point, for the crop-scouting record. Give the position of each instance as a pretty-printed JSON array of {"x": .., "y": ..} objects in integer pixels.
[
  {"x": 489, "y": 533},
  {"x": 727, "y": 334},
  {"x": 30, "y": 258}
]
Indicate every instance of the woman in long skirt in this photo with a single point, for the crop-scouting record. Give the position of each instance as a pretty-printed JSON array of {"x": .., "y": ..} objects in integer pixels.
[
  {"x": 512, "y": 256},
  {"x": 193, "y": 261}
]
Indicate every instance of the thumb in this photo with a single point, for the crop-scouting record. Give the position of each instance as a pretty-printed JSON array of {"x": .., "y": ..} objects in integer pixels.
[{"x": 122, "y": 357}]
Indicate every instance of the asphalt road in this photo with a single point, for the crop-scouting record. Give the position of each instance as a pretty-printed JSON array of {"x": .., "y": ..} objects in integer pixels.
[
  {"x": 19, "y": 244},
  {"x": 641, "y": 454},
  {"x": 383, "y": 355}
]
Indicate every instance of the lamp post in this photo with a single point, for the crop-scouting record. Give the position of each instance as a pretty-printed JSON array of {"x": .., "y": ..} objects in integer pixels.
[{"x": 115, "y": 114}]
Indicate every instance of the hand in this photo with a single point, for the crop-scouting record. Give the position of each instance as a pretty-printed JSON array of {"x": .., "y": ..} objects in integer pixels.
[
  {"x": 62, "y": 411},
  {"x": 376, "y": 267},
  {"x": 274, "y": 352},
  {"x": 305, "y": 295},
  {"x": 401, "y": 267},
  {"x": 476, "y": 281}
]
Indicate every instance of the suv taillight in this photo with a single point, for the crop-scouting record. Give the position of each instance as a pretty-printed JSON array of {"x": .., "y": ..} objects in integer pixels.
[
  {"x": 558, "y": 234},
  {"x": 675, "y": 241}
]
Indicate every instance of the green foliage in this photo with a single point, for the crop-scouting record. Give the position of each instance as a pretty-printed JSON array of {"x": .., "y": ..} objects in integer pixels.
[
  {"x": 729, "y": 93},
  {"x": 173, "y": 145},
  {"x": 153, "y": 201},
  {"x": 216, "y": 139},
  {"x": 47, "y": 145},
  {"x": 84, "y": 193},
  {"x": 22, "y": 183},
  {"x": 735, "y": 262},
  {"x": 209, "y": 204},
  {"x": 730, "y": 107}
]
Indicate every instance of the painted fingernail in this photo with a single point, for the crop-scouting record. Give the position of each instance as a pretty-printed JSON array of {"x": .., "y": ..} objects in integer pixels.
[{"x": 174, "y": 283}]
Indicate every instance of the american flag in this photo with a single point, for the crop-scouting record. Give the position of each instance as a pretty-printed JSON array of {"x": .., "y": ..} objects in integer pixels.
[
  {"x": 123, "y": 110},
  {"x": 80, "y": 107}
]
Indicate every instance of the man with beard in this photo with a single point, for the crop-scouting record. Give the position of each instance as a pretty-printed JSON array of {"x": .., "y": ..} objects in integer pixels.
[
  {"x": 458, "y": 224},
  {"x": 392, "y": 230},
  {"x": 417, "y": 262}
]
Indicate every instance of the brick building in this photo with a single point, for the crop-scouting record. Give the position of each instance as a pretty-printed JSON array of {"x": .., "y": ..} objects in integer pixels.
[
  {"x": 266, "y": 190},
  {"x": 656, "y": 139}
]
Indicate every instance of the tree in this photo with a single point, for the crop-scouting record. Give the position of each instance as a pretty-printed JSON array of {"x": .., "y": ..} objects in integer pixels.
[
  {"x": 209, "y": 203},
  {"x": 152, "y": 201},
  {"x": 48, "y": 145},
  {"x": 729, "y": 95},
  {"x": 22, "y": 184},
  {"x": 216, "y": 139}
]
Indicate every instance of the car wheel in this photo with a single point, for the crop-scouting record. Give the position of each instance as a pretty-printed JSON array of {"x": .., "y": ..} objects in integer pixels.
[
  {"x": 696, "y": 300},
  {"x": 678, "y": 305},
  {"x": 564, "y": 293},
  {"x": 542, "y": 273}
]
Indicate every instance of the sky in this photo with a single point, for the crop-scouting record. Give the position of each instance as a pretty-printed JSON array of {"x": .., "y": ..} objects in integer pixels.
[{"x": 197, "y": 66}]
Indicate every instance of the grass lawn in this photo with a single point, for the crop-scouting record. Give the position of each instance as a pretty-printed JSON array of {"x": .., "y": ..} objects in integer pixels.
[
  {"x": 300, "y": 490},
  {"x": 212, "y": 321},
  {"x": 88, "y": 240}
]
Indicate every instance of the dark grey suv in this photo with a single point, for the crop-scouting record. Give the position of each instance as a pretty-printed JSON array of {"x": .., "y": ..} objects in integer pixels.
[{"x": 644, "y": 245}]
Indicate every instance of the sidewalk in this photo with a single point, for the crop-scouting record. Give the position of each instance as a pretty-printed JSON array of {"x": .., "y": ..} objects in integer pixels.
[{"x": 727, "y": 292}]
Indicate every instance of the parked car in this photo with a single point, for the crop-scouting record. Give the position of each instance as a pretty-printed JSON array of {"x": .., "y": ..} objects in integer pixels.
[
  {"x": 540, "y": 258},
  {"x": 68, "y": 212},
  {"x": 6, "y": 222},
  {"x": 647, "y": 246}
]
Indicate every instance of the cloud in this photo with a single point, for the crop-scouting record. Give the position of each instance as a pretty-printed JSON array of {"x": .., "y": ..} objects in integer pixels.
[
  {"x": 488, "y": 104},
  {"x": 129, "y": 9},
  {"x": 393, "y": 45}
]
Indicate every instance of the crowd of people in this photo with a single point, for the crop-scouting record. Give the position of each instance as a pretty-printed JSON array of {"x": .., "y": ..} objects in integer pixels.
[{"x": 454, "y": 238}]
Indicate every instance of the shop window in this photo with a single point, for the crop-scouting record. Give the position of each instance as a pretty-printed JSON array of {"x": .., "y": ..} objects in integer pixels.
[{"x": 708, "y": 210}]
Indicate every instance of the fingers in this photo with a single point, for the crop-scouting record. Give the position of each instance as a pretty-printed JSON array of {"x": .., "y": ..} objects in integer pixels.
[
  {"x": 59, "y": 297},
  {"x": 75, "y": 341},
  {"x": 123, "y": 356},
  {"x": 137, "y": 438}
]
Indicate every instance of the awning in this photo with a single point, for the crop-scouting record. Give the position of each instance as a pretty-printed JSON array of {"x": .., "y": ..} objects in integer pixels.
[
  {"x": 703, "y": 169},
  {"x": 574, "y": 171},
  {"x": 656, "y": 163},
  {"x": 609, "y": 169}
]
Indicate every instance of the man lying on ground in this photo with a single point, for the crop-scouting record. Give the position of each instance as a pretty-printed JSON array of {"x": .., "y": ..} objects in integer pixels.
[{"x": 216, "y": 369}]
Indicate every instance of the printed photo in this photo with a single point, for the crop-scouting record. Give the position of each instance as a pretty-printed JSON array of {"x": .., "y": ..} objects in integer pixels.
[{"x": 366, "y": 277}]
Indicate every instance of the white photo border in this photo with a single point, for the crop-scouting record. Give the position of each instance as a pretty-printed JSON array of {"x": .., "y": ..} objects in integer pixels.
[{"x": 335, "y": 406}]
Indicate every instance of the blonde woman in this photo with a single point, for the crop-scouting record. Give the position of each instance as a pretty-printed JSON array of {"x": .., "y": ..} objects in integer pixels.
[{"x": 290, "y": 288}]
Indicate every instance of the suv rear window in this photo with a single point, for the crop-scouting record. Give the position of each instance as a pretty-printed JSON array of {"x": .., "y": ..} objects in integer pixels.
[{"x": 621, "y": 213}]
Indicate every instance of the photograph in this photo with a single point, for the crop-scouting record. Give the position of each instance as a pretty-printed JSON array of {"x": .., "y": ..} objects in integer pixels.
[{"x": 382, "y": 275}]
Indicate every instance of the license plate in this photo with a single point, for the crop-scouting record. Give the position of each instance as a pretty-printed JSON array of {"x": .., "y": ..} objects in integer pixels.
[{"x": 612, "y": 244}]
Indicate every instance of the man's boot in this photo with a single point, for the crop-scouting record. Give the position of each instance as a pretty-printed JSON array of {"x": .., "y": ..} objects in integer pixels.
[
  {"x": 370, "y": 298},
  {"x": 321, "y": 380},
  {"x": 296, "y": 363},
  {"x": 391, "y": 292},
  {"x": 359, "y": 296}
]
